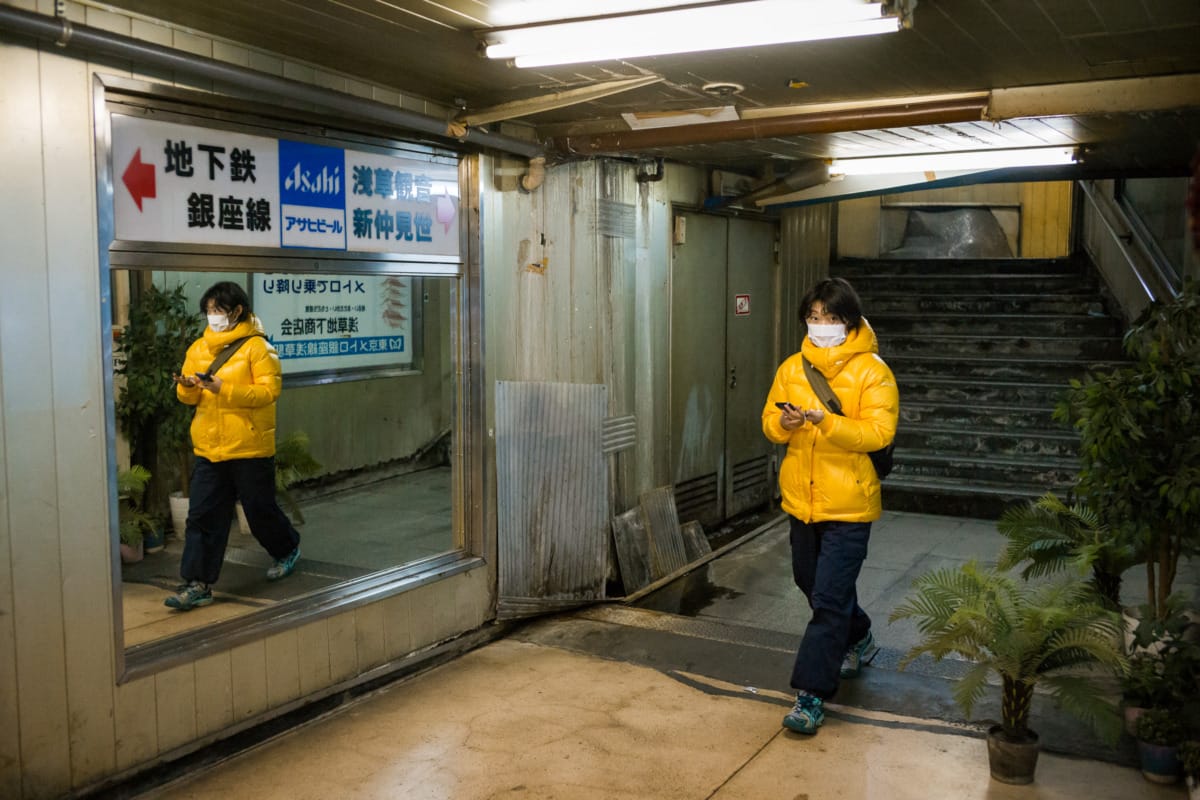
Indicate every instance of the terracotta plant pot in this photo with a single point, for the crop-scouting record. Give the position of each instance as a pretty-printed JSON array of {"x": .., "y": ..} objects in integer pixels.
[
  {"x": 1012, "y": 761},
  {"x": 131, "y": 554},
  {"x": 1131, "y": 716}
]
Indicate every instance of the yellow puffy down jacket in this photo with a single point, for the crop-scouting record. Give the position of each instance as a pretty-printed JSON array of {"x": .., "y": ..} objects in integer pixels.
[
  {"x": 239, "y": 421},
  {"x": 826, "y": 474}
]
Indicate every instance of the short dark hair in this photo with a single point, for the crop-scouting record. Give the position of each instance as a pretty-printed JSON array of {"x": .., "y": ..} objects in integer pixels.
[
  {"x": 228, "y": 296},
  {"x": 839, "y": 299}
]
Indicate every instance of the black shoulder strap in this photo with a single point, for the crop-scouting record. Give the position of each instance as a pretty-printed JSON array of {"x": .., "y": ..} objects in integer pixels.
[
  {"x": 228, "y": 351},
  {"x": 821, "y": 386}
]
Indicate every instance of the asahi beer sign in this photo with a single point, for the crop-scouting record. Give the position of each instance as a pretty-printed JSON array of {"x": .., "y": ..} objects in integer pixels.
[{"x": 190, "y": 184}]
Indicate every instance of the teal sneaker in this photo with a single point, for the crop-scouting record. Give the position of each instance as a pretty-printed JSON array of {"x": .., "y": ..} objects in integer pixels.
[
  {"x": 284, "y": 566},
  {"x": 807, "y": 715},
  {"x": 861, "y": 652},
  {"x": 192, "y": 595}
]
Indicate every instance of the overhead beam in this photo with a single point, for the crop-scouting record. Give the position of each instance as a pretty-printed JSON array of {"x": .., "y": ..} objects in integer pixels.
[
  {"x": 549, "y": 102},
  {"x": 929, "y": 113},
  {"x": 1119, "y": 96}
]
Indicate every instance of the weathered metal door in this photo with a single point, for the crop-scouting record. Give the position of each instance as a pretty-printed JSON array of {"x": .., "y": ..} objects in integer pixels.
[
  {"x": 698, "y": 366},
  {"x": 722, "y": 307},
  {"x": 749, "y": 356}
]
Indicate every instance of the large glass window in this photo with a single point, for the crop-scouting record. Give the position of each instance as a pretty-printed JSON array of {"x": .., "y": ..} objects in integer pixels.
[{"x": 365, "y": 430}]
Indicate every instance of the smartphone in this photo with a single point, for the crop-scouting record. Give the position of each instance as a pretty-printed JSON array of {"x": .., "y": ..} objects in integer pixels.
[
  {"x": 204, "y": 376},
  {"x": 784, "y": 406}
]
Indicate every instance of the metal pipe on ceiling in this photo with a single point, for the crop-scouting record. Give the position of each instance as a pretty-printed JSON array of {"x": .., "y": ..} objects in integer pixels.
[
  {"x": 927, "y": 113},
  {"x": 74, "y": 38}
]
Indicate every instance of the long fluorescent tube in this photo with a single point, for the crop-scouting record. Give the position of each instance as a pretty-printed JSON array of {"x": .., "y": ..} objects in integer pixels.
[
  {"x": 691, "y": 29},
  {"x": 954, "y": 162}
]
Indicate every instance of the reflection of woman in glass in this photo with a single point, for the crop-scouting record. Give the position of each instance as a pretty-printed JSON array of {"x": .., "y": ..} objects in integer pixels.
[{"x": 233, "y": 435}]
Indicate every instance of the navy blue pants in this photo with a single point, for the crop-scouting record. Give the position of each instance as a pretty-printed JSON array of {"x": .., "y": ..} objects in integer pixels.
[
  {"x": 214, "y": 488},
  {"x": 826, "y": 560}
]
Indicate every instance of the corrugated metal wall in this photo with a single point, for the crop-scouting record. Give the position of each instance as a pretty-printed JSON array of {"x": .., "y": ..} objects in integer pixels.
[
  {"x": 576, "y": 287},
  {"x": 805, "y": 245}
]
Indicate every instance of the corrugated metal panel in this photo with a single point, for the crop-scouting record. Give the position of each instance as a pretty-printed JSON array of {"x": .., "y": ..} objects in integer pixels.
[
  {"x": 552, "y": 495},
  {"x": 662, "y": 526}
]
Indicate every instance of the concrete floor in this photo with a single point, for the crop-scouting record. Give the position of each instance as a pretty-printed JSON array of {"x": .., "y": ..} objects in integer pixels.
[
  {"x": 680, "y": 696},
  {"x": 524, "y": 720}
]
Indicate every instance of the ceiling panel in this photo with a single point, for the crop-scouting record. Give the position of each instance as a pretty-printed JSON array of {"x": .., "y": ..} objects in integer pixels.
[{"x": 429, "y": 50}]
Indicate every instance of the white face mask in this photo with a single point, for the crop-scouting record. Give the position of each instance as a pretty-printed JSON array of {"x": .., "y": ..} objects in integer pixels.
[
  {"x": 826, "y": 335},
  {"x": 219, "y": 322}
]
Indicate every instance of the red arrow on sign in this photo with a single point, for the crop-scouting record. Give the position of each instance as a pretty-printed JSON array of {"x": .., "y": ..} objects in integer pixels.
[{"x": 139, "y": 179}]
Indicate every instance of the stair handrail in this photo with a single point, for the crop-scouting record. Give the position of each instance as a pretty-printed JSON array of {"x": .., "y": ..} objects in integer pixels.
[{"x": 1129, "y": 268}]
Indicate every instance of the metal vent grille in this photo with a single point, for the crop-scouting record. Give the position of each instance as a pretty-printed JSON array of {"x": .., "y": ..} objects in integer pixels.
[
  {"x": 615, "y": 219},
  {"x": 750, "y": 474},
  {"x": 620, "y": 433},
  {"x": 698, "y": 498}
]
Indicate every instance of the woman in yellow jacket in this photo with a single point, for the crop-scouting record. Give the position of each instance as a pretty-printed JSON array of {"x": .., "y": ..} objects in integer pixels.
[
  {"x": 233, "y": 436},
  {"x": 829, "y": 485}
]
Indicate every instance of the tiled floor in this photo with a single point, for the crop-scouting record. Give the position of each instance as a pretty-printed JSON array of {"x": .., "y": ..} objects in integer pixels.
[{"x": 681, "y": 696}]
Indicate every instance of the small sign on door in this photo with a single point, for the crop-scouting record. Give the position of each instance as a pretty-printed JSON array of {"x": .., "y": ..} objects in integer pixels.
[{"x": 741, "y": 305}]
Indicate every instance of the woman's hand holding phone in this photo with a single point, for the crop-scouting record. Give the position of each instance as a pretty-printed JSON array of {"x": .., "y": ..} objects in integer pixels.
[
  {"x": 791, "y": 418},
  {"x": 187, "y": 381}
]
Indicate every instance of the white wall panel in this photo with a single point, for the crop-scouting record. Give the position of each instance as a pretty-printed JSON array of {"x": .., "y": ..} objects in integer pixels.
[
  {"x": 397, "y": 626},
  {"x": 136, "y": 722},
  {"x": 214, "y": 693},
  {"x": 312, "y": 645},
  {"x": 249, "y": 664},
  {"x": 15, "y": 65},
  {"x": 282, "y": 668},
  {"x": 343, "y": 647},
  {"x": 27, "y": 403},
  {"x": 175, "y": 702},
  {"x": 77, "y": 366},
  {"x": 368, "y": 636}
]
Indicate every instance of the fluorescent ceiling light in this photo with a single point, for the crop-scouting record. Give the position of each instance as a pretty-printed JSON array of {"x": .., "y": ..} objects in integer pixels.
[
  {"x": 688, "y": 29},
  {"x": 955, "y": 162}
]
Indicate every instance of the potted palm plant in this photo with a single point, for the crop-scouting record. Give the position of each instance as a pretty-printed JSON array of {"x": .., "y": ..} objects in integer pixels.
[
  {"x": 149, "y": 350},
  {"x": 133, "y": 523},
  {"x": 1049, "y": 536},
  {"x": 1027, "y": 634}
]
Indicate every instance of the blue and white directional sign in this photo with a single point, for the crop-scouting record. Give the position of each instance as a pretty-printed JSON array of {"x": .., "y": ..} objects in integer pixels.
[
  {"x": 191, "y": 184},
  {"x": 337, "y": 322}
]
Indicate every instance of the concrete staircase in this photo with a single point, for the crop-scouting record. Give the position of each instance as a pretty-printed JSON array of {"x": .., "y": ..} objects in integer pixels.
[{"x": 982, "y": 352}]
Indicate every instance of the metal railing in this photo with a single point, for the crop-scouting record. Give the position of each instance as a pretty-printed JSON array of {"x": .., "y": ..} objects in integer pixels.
[{"x": 1128, "y": 264}]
